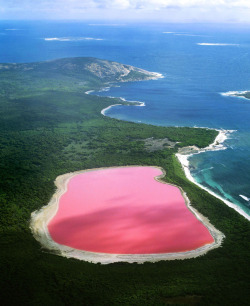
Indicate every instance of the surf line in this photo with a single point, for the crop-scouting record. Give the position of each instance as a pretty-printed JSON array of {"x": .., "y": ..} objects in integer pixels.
[
  {"x": 215, "y": 146},
  {"x": 184, "y": 158}
]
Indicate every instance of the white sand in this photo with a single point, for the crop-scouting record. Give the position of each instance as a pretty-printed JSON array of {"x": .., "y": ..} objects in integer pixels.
[
  {"x": 89, "y": 92},
  {"x": 140, "y": 104},
  {"x": 216, "y": 145},
  {"x": 41, "y": 218},
  {"x": 151, "y": 75},
  {"x": 107, "y": 108}
]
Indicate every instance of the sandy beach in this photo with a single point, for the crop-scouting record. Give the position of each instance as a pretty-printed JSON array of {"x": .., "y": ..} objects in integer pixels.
[
  {"x": 152, "y": 76},
  {"x": 184, "y": 154},
  {"x": 41, "y": 218},
  {"x": 140, "y": 104},
  {"x": 216, "y": 145},
  {"x": 107, "y": 108}
]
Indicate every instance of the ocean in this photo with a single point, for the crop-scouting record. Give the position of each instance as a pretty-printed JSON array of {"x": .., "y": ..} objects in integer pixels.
[{"x": 199, "y": 62}]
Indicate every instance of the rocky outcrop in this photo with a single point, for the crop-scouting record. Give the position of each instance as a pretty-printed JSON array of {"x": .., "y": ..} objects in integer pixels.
[{"x": 104, "y": 70}]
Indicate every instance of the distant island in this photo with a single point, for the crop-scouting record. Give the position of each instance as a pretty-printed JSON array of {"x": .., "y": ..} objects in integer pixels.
[
  {"x": 240, "y": 94},
  {"x": 51, "y": 126}
]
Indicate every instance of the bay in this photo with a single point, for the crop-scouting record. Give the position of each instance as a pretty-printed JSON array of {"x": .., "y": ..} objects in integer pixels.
[{"x": 198, "y": 61}]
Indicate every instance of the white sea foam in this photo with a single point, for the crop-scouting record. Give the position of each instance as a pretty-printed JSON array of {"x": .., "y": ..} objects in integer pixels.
[
  {"x": 140, "y": 103},
  {"x": 104, "y": 89},
  {"x": 244, "y": 197},
  {"x": 235, "y": 94},
  {"x": 216, "y": 44},
  {"x": 156, "y": 75},
  {"x": 230, "y": 93},
  {"x": 71, "y": 38},
  {"x": 216, "y": 145}
]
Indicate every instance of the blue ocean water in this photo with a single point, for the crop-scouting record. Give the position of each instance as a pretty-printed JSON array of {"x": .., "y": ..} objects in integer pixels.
[{"x": 198, "y": 61}]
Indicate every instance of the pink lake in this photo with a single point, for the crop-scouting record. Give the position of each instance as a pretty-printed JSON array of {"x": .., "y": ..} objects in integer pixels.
[{"x": 126, "y": 211}]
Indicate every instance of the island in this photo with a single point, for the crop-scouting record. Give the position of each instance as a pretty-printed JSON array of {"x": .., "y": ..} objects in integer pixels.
[
  {"x": 240, "y": 94},
  {"x": 51, "y": 126}
]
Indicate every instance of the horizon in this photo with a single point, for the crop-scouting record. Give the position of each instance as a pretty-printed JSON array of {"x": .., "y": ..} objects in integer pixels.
[{"x": 160, "y": 11}]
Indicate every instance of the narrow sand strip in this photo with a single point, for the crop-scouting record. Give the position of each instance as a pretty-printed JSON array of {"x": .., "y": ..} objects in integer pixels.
[
  {"x": 41, "y": 218},
  {"x": 153, "y": 76},
  {"x": 140, "y": 104},
  {"x": 107, "y": 108}
]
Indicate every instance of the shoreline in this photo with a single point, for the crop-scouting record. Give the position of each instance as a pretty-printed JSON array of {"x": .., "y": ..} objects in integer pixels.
[
  {"x": 41, "y": 218},
  {"x": 157, "y": 75},
  {"x": 140, "y": 104},
  {"x": 215, "y": 146},
  {"x": 107, "y": 108},
  {"x": 131, "y": 103},
  {"x": 154, "y": 76}
]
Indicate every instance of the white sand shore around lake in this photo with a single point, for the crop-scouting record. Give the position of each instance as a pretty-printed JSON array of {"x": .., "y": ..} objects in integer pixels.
[{"x": 41, "y": 218}]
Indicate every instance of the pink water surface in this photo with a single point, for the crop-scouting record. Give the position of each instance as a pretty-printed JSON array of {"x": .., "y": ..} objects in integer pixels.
[{"x": 126, "y": 211}]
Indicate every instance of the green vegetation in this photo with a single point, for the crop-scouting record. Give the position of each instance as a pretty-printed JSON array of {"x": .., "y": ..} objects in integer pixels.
[{"x": 49, "y": 126}]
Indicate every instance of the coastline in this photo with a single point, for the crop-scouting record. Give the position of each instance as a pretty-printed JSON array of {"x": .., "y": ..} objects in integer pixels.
[
  {"x": 157, "y": 75},
  {"x": 189, "y": 151},
  {"x": 215, "y": 146},
  {"x": 41, "y": 218},
  {"x": 103, "y": 111},
  {"x": 152, "y": 76},
  {"x": 130, "y": 103},
  {"x": 107, "y": 108}
]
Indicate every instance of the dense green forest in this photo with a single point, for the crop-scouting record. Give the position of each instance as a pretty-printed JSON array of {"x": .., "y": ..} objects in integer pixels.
[{"x": 49, "y": 126}]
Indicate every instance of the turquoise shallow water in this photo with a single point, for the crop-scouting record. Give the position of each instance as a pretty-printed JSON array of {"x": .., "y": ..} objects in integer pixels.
[{"x": 189, "y": 93}]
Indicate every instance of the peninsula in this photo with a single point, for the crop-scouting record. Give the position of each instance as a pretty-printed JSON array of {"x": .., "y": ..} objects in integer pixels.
[{"x": 49, "y": 127}]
